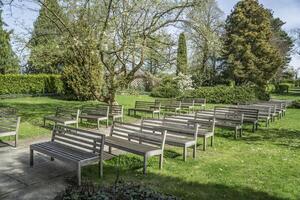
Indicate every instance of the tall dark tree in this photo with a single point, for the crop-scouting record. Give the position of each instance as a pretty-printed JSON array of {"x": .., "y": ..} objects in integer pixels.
[
  {"x": 9, "y": 63},
  {"x": 182, "y": 63},
  {"x": 283, "y": 42},
  {"x": 250, "y": 56},
  {"x": 46, "y": 56}
]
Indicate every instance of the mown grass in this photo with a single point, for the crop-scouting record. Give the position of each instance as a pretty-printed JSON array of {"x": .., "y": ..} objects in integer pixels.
[{"x": 261, "y": 165}]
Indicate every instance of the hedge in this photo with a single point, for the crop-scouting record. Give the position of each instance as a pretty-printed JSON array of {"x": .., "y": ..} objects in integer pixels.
[
  {"x": 40, "y": 84},
  {"x": 228, "y": 95}
]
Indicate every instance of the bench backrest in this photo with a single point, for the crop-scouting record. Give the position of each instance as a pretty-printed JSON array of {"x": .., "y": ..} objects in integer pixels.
[
  {"x": 80, "y": 139},
  {"x": 135, "y": 132},
  {"x": 168, "y": 102},
  {"x": 249, "y": 113},
  {"x": 205, "y": 123},
  {"x": 224, "y": 113},
  {"x": 67, "y": 113},
  {"x": 7, "y": 111},
  {"x": 95, "y": 110},
  {"x": 147, "y": 105},
  {"x": 262, "y": 110},
  {"x": 200, "y": 101},
  {"x": 172, "y": 126},
  {"x": 272, "y": 106},
  {"x": 188, "y": 101},
  {"x": 10, "y": 123}
]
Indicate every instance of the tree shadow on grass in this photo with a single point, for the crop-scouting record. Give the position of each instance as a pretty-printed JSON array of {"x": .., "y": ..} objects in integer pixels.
[
  {"x": 281, "y": 137},
  {"x": 130, "y": 169}
]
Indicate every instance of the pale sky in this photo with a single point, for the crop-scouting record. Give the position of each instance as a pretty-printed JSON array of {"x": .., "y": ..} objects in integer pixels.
[{"x": 22, "y": 17}]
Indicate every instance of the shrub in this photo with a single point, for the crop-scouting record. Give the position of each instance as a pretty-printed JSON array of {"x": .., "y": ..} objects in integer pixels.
[
  {"x": 168, "y": 88},
  {"x": 228, "y": 94},
  {"x": 40, "y": 84},
  {"x": 120, "y": 191},
  {"x": 283, "y": 87}
]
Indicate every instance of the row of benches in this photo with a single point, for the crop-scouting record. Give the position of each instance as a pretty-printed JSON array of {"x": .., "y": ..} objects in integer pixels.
[
  {"x": 173, "y": 105},
  {"x": 91, "y": 113},
  {"x": 83, "y": 147}
]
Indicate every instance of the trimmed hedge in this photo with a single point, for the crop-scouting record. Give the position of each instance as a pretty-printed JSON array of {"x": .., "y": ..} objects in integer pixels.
[
  {"x": 40, "y": 84},
  {"x": 228, "y": 95}
]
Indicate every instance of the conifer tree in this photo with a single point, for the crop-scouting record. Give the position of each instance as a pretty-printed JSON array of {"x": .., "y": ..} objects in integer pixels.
[
  {"x": 249, "y": 54},
  {"x": 9, "y": 63},
  {"x": 182, "y": 65},
  {"x": 46, "y": 56}
]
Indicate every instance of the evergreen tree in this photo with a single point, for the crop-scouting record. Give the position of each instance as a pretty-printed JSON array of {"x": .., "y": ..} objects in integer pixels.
[
  {"x": 9, "y": 63},
  {"x": 182, "y": 65},
  {"x": 249, "y": 54},
  {"x": 46, "y": 56}
]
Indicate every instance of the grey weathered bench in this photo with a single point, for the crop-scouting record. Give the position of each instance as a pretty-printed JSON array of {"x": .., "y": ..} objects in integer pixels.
[
  {"x": 169, "y": 104},
  {"x": 273, "y": 108},
  {"x": 146, "y": 106},
  {"x": 64, "y": 116},
  {"x": 264, "y": 112},
  {"x": 224, "y": 119},
  {"x": 251, "y": 115},
  {"x": 131, "y": 138},
  {"x": 200, "y": 102},
  {"x": 76, "y": 146},
  {"x": 206, "y": 128},
  {"x": 179, "y": 134},
  {"x": 96, "y": 113},
  {"x": 188, "y": 104},
  {"x": 116, "y": 112},
  {"x": 9, "y": 126}
]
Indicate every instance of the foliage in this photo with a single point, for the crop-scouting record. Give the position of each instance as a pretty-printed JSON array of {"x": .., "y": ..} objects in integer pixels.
[
  {"x": 249, "y": 55},
  {"x": 119, "y": 191},
  {"x": 283, "y": 87},
  {"x": 168, "y": 88},
  {"x": 46, "y": 56},
  {"x": 9, "y": 63},
  {"x": 30, "y": 84},
  {"x": 204, "y": 26},
  {"x": 226, "y": 94},
  {"x": 182, "y": 62}
]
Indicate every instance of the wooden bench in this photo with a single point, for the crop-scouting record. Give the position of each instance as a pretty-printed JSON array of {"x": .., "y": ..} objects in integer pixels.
[
  {"x": 64, "y": 116},
  {"x": 200, "y": 102},
  {"x": 273, "y": 108},
  {"x": 96, "y": 113},
  {"x": 146, "y": 106},
  {"x": 251, "y": 115},
  {"x": 224, "y": 119},
  {"x": 188, "y": 104},
  {"x": 206, "y": 128},
  {"x": 169, "y": 104},
  {"x": 116, "y": 112},
  {"x": 131, "y": 138},
  {"x": 179, "y": 134},
  {"x": 9, "y": 126},
  {"x": 76, "y": 146},
  {"x": 264, "y": 112}
]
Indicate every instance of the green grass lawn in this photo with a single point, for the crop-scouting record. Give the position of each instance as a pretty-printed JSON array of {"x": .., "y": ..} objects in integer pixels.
[{"x": 261, "y": 165}]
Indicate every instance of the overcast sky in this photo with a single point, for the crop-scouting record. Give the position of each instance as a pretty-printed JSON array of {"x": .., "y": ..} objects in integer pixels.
[{"x": 23, "y": 17}]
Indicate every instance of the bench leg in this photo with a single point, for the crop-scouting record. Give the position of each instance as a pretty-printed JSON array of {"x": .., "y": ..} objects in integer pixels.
[
  {"x": 52, "y": 159},
  {"x": 109, "y": 150},
  {"x": 31, "y": 158},
  {"x": 194, "y": 150},
  {"x": 100, "y": 168},
  {"x": 79, "y": 174},
  {"x": 44, "y": 122},
  {"x": 161, "y": 160},
  {"x": 235, "y": 133},
  {"x": 145, "y": 164},
  {"x": 107, "y": 123},
  {"x": 16, "y": 140},
  {"x": 98, "y": 124},
  {"x": 241, "y": 132},
  {"x": 184, "y": 153},
  {"x": 204, "y": 143},
  {"x": 212, "y": 141}
]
